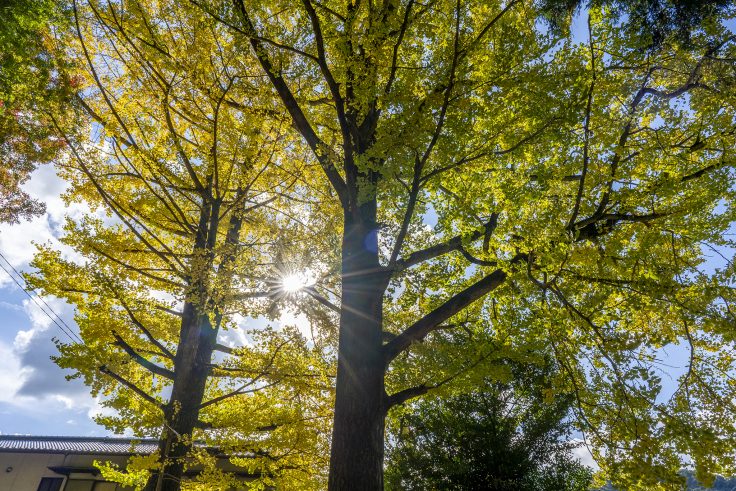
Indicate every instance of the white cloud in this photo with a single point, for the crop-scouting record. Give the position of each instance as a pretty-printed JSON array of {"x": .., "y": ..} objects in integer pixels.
[
  {"x": 17, "y": 240},
  {"x": 97, "y": 409},
  {"x": 11, "y": 373},
  {"x": 166, "y": 298},
  {"x": 233, "y": 337},
  {"x": 582, "y": 453},
  {"x": 33, "y": 376},
  {"x": 30, "y": 383},
  {"x": 41, "y": 314},
  {"x": 14, "y": 376},
  {"x": 23, "y": 340},
  {"x": 10, "y": 306},
  {"x": 27, "y": 373},
  {"x": 67, "y": 402},
  {"x": 299, "y": 320}
]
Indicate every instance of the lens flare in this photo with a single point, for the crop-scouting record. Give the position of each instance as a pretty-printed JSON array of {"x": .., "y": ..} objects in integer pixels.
[{"x": 293, "y": 283}]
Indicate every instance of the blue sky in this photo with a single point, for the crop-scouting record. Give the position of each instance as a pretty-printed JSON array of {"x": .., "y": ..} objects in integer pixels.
[{"x": 35, "y": 398}]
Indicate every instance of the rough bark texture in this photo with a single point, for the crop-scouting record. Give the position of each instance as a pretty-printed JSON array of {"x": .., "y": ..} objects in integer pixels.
[
  {"x": 197, "y": 340},
  {"x": 182, "y": 411},
  {"x": 356, "y": 461}
]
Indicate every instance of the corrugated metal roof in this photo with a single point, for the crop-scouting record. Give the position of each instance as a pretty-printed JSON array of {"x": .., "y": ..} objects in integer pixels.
[{"x": 77, "y": 444}]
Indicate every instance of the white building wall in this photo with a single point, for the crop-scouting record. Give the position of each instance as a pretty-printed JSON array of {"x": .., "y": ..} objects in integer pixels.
[{"x": 23, "y": 471}]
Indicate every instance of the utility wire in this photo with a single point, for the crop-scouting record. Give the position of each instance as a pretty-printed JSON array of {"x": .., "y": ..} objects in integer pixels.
[
  {"x": 39, "y": 297},
  {"x": 60, "y": 323}
]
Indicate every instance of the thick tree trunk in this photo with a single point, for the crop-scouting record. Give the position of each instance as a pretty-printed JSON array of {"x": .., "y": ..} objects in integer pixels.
[
  {"x": 356, "y": 461},
  {"x": 182, "y": 412},
  {"x": 197, "y": 339}
]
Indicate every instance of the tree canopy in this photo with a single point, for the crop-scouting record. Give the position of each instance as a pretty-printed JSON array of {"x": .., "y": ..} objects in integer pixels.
[
  {"x": 35, "y": 79},
  {"x": 656, "y": 20},
  {"x": 576, "y": 188},
  {"x": 191, "y": 188},
  {"x": 465, "y": 185}
]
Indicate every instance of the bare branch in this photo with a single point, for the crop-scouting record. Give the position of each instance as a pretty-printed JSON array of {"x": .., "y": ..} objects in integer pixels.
[
  {"x": 177, "y": 144},
  {"x": 325, "y": 69}
]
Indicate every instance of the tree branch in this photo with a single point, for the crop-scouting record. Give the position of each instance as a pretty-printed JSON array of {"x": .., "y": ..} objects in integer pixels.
[
  {"x": 310, "y": 290},
  {"x": 325, "y": 69},
  {"x": 454, "y": 305},
  {"x": 454, "y": 244},
  {"x": 131, "y": 386},
  {"x": 597, "y": 226},
  {"x": 262, "y": 373},
  {"x": 404, "y": 395},
  {"x": 240, "y": 390},
  {"x": 586, "y": 129},
  {"x": 319, "y": 148},
  {"x": 224, "y": 349},
  {"x": 164, "y": 350},
  {"x": 397, "y": 45},
  {"x": 148, "y": 365}
]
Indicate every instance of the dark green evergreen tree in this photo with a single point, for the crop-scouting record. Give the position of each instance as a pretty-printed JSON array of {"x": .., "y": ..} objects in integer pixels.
[
  {"x": 502, "y": 437},
  {"x": 654, "y": 19}
]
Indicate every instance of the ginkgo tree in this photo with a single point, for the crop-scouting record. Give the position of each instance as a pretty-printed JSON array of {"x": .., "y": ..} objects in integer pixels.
[
  {"x": 194, "y": 192},
  {"x": 577, "y": 190}
]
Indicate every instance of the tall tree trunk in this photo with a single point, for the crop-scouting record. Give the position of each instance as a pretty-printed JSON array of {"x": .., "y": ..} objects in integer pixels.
[
  {"x": 182, "y": 413},
  {"x": 356, "y": 461},
  {"x": 197, "y": 339}
]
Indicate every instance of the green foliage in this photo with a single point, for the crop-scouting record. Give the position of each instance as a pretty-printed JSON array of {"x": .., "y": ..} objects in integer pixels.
[
  {"x": 36, "y": 80},
  {"x": 654, "y": 20},
  {"x": 720, "y": 483},
  {"x": 499, "y": 437},
  {"x": 577, "y": 191}
]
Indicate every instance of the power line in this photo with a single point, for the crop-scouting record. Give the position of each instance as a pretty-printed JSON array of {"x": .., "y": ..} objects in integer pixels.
[
  {"x": 65, "y": 328},
  {"x": 39, "y": 297},
  {"x": 61, "y": 324}
]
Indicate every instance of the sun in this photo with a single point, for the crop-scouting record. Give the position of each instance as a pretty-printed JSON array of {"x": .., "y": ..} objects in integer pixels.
[{"x": 294, "y": 282}]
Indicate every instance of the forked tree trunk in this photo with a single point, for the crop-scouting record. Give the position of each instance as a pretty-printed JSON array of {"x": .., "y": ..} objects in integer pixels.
[{"x": 356, "y": 461}]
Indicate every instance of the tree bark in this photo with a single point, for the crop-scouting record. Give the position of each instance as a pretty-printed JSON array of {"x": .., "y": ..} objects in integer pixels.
[
  {"x": 356, "y": 461},
  {"x": 182, "y": 412},
  {"x": 197, "y": 339}
]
